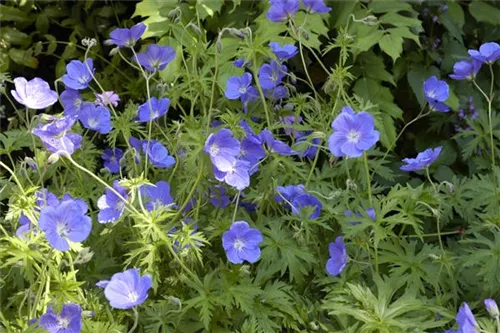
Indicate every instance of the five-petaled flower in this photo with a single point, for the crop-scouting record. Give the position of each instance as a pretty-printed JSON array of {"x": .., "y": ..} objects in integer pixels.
[
  {"x": 223, "y": 149},
  {"x": 284, "y": 52},
  {"x": 241, "y": 243},
  {"x": 68, "y": 321},
  {"x": 296, "y": 198},
  {"x": 152, "y": 109},
  {"x": 66, "y": 221},
  {"x": 354, "y": 133},
  {"x": 56, "y": 138},
  {"x": 111, "y": 206},
  {"x": 158, "y": 154},
  {"x": 156, "y": 195},
  {"x": 282, "y": 10},
  {"x": 488, "y": 53},
  {"x": 465, "y": 70},
  {"x": 240, "y": 87},
  {"x": 34, "y": 94},
  {"x": 156, "y": 57},
  {"x": 126, "y": 290},
  {"x": 316, "y": 6},
  {"x": 96, "y": 118},
  {"x": 436, "y": 92},
  {"x": 79, "y": 74},
  {"x": 271, "y": 75},
  {"x": 126, "y": 37},
  {"x": 338, "y": 257},
  {"x": 422, "y": 161},
  {"x": 72, "y": 102},
  {"x": 112, "y": 159}
]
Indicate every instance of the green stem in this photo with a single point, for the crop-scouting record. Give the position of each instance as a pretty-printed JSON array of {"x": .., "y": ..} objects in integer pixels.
[
  {"x": 497, "y": 319},
  {"x": 368, "y": 179},
  {"x": 236, "y": 206},
  {"x": 438, "y": 226},
  {"x": 136, "y": 320},
  {"x": 261, "y": 92}
]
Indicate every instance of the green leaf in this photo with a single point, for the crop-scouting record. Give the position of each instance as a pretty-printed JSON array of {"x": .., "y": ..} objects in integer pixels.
[
  {"x": 23, "y": 57},
  {"x": 12, "y": 14},
  {"x": 399, "y": 20},
  {"x": 404, "y": 32},
  {"x": 206, "y": 8},
  {"x": 392, "y": 45},
  {"x": 14, "y": 36},
  {"x": 366, "y": 38},
  {"x": 484, "y": 12},
  {"x": 152, "y": 9},
  {"x": 383, "y": 6}
]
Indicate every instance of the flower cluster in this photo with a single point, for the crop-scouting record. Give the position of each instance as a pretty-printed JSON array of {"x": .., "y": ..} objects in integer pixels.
[{"x": 284, "y": 10}]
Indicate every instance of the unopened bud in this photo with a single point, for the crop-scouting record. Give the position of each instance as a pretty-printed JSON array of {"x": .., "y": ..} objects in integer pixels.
[
  {"x": 218, "y": 45},
  {"x": 492, "y": 307},
  {"x": 238, "y": 33},
  {"x": 53, "y": 158},
  {"x": 370, "y": 20}
]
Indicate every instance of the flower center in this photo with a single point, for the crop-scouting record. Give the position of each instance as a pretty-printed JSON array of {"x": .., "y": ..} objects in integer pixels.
[
  {"x": 63, "y": 322},
  {"x": 353, "y": 136},
  {"x": 93, "y": 122},
  {"x": 133, "y": 296},
  {"x": 238, "y": 244},
  {"x": 214, "y": 150},
  {"x": 83, "y": 79},
  {"x": 61, "y": 229},
  {"x": 432, "y": 94}
]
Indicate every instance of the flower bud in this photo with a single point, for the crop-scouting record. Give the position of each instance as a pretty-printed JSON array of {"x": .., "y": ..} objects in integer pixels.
[
  {"x": 370, "y": 20},
  {"x": 492, "y": 307}
]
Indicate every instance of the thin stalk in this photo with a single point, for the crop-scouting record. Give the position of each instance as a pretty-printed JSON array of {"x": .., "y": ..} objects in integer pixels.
[
  {"x": 368, "y": 178},
  {"x": 438, "y": 226},
  {"x": 136, "y": 320}
]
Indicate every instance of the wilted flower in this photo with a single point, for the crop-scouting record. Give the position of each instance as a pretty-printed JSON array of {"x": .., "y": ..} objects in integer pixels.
[
  {"x": 422, "y": 161},
  {"x": 112, "y": 158},
  {"x": 296, "y": 198},
  {"x": 126, "y": 290},
  {"x": 34, "y": 94},
  {"x": 126, "y": 37},
  {"x": 282, "y": 10},
  {"x": 353, "y": 133},
  {"x": 316, "y": 6},
  {"x": 436, "y": 92},
  {"x": 156, "y": 57},
  {"x": 241, "y": 243},
  {"x": 465, "y": 70},
  {"x": 107, "y": 98},
  {"x": 488, "y": 53},
  {"x": 55, "y": 137},
  {"x": 158, "y": 154},
  {"x": 223, "y": 149},
  {"x": 66, "y": 221},
  {"x": 79, "y": 74},
  {"x": 111, "y": 206},
  {"x": 271, "y": 75},
  {"x": 338, "y": 257},
  {"x": 284, "y": 52},
  {"x": 96, "y": 118},
  {"x": 158, "y": 109},
  {"x": 68, "y": 321}
]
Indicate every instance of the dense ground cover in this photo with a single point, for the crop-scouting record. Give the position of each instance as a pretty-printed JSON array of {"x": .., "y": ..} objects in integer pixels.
[{"x": 249, "y": 166}]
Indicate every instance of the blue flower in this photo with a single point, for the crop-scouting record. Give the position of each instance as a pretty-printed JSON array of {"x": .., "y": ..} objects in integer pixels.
[
  {"x": 56, "y": 138},
  {"x": 296, "y": 198},
  {"x": 436, "y": 92},
  {"x": 241, "y": 62},
  {"x": 126, "y": 290},
  {"x": 218, "y": 196},
  {"x": 72, "y": 102},
  {"x": 136, "y": 145},
  {"x": 282, "y": 10},
  {"x": 316, "y": 6},
  {"x": 66, "y": 221},
  {"x": 284, "y": 52},
  {"x": 44, "y": 198},
  {"x": 422, "y": 161},
  {"x": 310, "y": 149},
  {"x": 156, "y": 57},
  {"x": 465, "y": 70},
  {"x": 240, "y": 87},
  {"x": 241, "y": 243},
  {"x": 274, "y": 145},
  {"x": 126, "y": 37},
  {"x": 223, "y": 149},
  {"x": 78, "y": 75},
  {"x": 112, "y": 158},
  {"x": 353, "y": 133},
  {"x": 466, "y": 321},
  {"x": 96, "y": 118},
  {"x": 370, "y": 212},
  {"x": 158, "y": 109},
  {"x": 111, "y": 207},
  {"x": 237, "y": 175},
  {"x": 34, "y": 94},
  {"x": 156, "y": 195},
  {"x": 68, "y": 321},
  {"x": 158, "y": 154},
  {"x": 488, "y": 53},
  {"x": 338, "y": 257},
  {"x": 280, "y": 92},
  {"x": 271, "y": 75}
]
